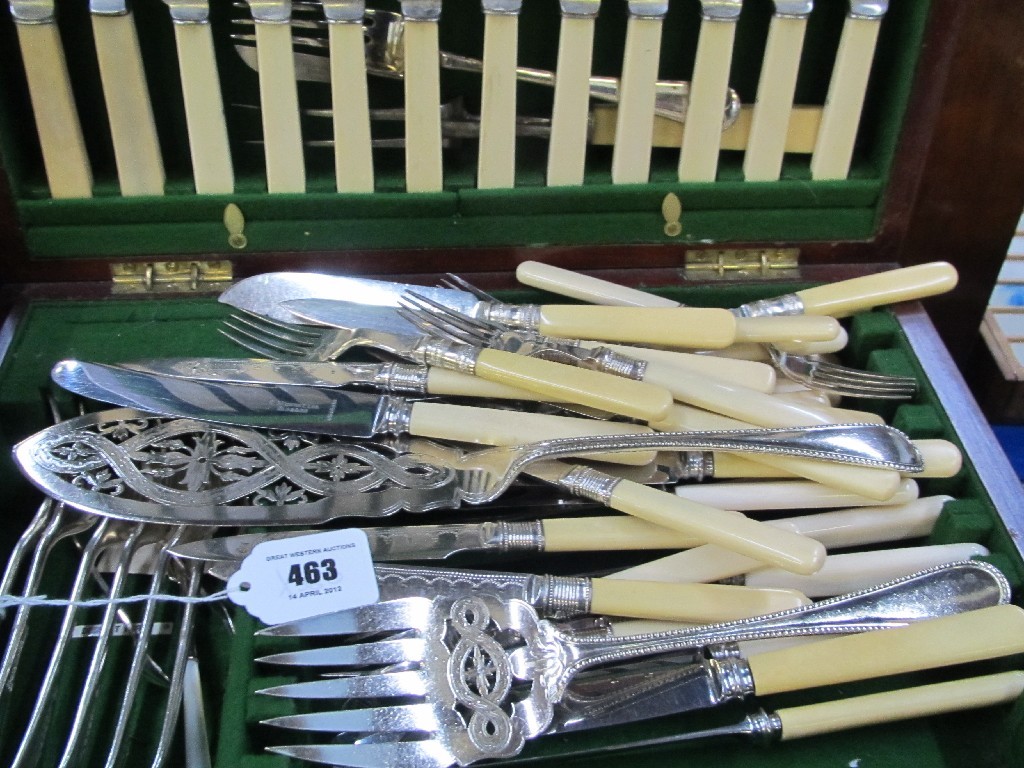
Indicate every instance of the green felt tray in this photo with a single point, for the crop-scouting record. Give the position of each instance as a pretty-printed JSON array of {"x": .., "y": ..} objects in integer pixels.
[
  {"x": 181, "y": 222},
  {"x": 123, "y": 328}
]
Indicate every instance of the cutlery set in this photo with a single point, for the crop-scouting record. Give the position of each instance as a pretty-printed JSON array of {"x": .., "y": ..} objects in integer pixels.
[
  {"x": 330, "y": 63},
  {"x": 472, "y": 439}
]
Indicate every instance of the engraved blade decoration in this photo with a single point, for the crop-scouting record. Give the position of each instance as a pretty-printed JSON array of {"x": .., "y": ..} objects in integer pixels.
[{"x": 136, "y": 466}]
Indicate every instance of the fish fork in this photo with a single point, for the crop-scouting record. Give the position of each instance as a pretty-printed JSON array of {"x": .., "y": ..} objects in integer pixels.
[
  {"x": 383, "y": 32},
  {"x": 493, "y": 674}
]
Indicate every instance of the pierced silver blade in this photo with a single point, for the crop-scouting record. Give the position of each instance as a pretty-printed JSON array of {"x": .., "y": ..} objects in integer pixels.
[
  {"x": 407, "y": 754},
  {"x": 352, "y": 687},
  {"x": 357, "y": 654},
  {"x": 400, "y": 718}
]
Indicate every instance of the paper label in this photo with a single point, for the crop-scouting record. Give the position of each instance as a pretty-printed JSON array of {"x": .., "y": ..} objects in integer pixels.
[{"x": 291, "y": 579}]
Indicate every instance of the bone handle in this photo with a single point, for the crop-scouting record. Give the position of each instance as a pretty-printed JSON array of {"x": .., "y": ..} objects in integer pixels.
[
  {"x": 751, "y": 374},
  {"x": 794, "y": 329},
  {"x": 140, "y": 168},
  {"x": 982, "y": 634},
  {"x": 487, "y": 426},
  {"x": 353, "y": 154},
  {"x": 891, "y": 706},
  {"x": 423, "y": 162},
  {"x": 565, "y": 282},
  {"x": 692, "y": 603},
  {"x": 860, "y": 570},
  {"x": 53, "y": 104},
  {"x": 625, "y": 397},
  {"x": 634, "y": 126},
  {"x": 279, "y": 105},
  {"x": 567, "y": 147},
  {"x": 736, "y": 533},
  {"x": 678, "y": 327},
  {"x": 840, "y": 118},
  {"x": 702, "y": 135},
  {"x": 204, "y": 110},
  {"x": 847, "y": 297},
  {"x": 769, "y": 126},
  {"x": 789, "y": 494},
  {"x": 611, "y": 532},
  {"x": 497, "y": 155}
]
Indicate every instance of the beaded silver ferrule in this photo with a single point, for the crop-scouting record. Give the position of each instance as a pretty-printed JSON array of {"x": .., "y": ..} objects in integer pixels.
[
  {"x": 393, "y": 417},
  {"x": 720, "y": 10},
  {"x": 421, "y": 10},
  {"x": 519, "y": 536},
  {"x": 560, "y": 596},
  {"x": 579, "y": 9},
  {"x": 697, "y": 466},
  {"x": 397, "y": 377},
  {"x": 512, "y": 315},
  {"x": 271, "y": 11},
  {"x": 189, "y": 11},
  {"x": 344, "y": 11},
  {"x": 790, "y": 304},
  {"x": 453, "y": 355},
  {"x": 793, "y": 9},
  {"x": 723, "y": 651},
  {"x": 868, "y": 9},
  {"x": 502, "y": 7},
  {"x": 763, "y": 726},
  {"x": 609, "y": 361},
  {"x": 647, "y": 9},
  {"x": 732, "y": 677},
  {"x": 588, "y": 483}
]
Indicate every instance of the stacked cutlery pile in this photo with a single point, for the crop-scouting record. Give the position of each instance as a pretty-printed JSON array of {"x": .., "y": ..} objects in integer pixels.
[
  {"x": 743, "y": 489},
  {"x": 351, "y": 51}
]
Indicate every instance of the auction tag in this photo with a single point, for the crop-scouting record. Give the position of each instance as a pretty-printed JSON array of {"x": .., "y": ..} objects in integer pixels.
[{"x": 290, "y": 579}]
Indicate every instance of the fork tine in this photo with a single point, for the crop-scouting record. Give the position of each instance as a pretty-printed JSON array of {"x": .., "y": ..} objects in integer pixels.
[
  {"x": 291, "y": 330},
  {"x": 359, "y": 654},
  {"x": 451, "y": 280},
  {"x": 410, "y": 754},
  {"x": 252, "y": 346},
  {"x": 371, "y": 686},
  {"x": 392, "y": 615},
  {"x": 240, "y": 335},
  {"x": 437, "y": 328},
  {"x": 401, "y": 718},
  {"x": 442, "y": 315}
]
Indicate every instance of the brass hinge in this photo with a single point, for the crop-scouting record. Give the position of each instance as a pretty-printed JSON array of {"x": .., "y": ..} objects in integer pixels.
[
  {"x": 742, "y": 263},
  {"x": 169, "y": 276}
]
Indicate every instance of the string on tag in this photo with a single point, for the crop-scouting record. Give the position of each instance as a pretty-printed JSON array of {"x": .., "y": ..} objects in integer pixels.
[{"x": 42, "y": 601}]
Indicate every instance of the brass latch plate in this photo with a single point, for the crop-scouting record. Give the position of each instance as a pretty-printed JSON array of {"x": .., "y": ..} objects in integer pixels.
[
  {"x": 742, "y": 263},
  {"x": 169, "y": 276}
]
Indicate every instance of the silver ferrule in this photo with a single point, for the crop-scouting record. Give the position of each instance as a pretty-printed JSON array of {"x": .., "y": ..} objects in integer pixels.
[
  {"x": 393, "y": 417},
  {"x": 789, "y": 304},
  {"x": 868, "y": 9},
  {"x": 731, "y": 677},
  {"x": 720, "y": 10},
  {"x": 723, "y": 651},
  {"x": 189, "y": 11},
  {"x": 579, "y": 9},
  {"x": 399, "y": 377},
  {"x": 421, "y": 10},
  {"x": 512, "y": 315},
  {"x": 271, "y": 11},
  {"x": 763, "y": 726},
  {"x": 793, "y": 9},
  {"x": 648, "y": 9},
  {"x": 444, "y": 353},
  {"x": 590, "y": 484},
  {"x": 609, "y": 361},
  {"x": 519, "y": 536},
  {"x": 697, "y": 466},
  {"x": 108, "y": 7},
  {"x": 502, "y": 7},
  {"x": 344, "y": 11},
  {"x": 560, "y": 596},
  {"x": 33, "y": 11}
]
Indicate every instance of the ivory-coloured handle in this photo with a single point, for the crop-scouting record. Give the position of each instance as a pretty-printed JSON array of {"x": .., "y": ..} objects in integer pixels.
[
  {"x": 423, "y": 162},
  {"x": 350, "y": 109},
  {"x": 611, "y": 532},
  {"x": 892, "y": 706},
  {"x": 634, "y": 126},
  {"x": 279, "y": 106},
  {"x": 615, "y": 394},
  {"x": 795, "y": 328},
  {"x": 140, "y": 168},
  {"x": 212, "y": 169},
  {"x": 941, "y": 458},
  {"x": 838, "y": 344},
  {"x": 567, "y": 146},
  {"x": 702, "y": 134},
  {"x": 788, "y": 494},
  {"x": 670, "y": 327},
  {"x": 844, "y": 102},
  {"x": 488, "y": 426},
  {"x": 496, "y": 167},
  {"x": 858, "y": 526},
  {"x": 68, "y": 172},
  {"x": 769, "y": 125},
  {"x": 443, "y": 381},
  {"x": 565, "y": 282},
  {"x": 973, "y": 636},
  {"x": 847, "y": 297},
  {"x": 696, "y": 603},
  {"x": 860, "y": 570},
  {"x": 753, "y": 375},
  {"x": 877, "y": 484},
  {"x": 736, "y": 533}
]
